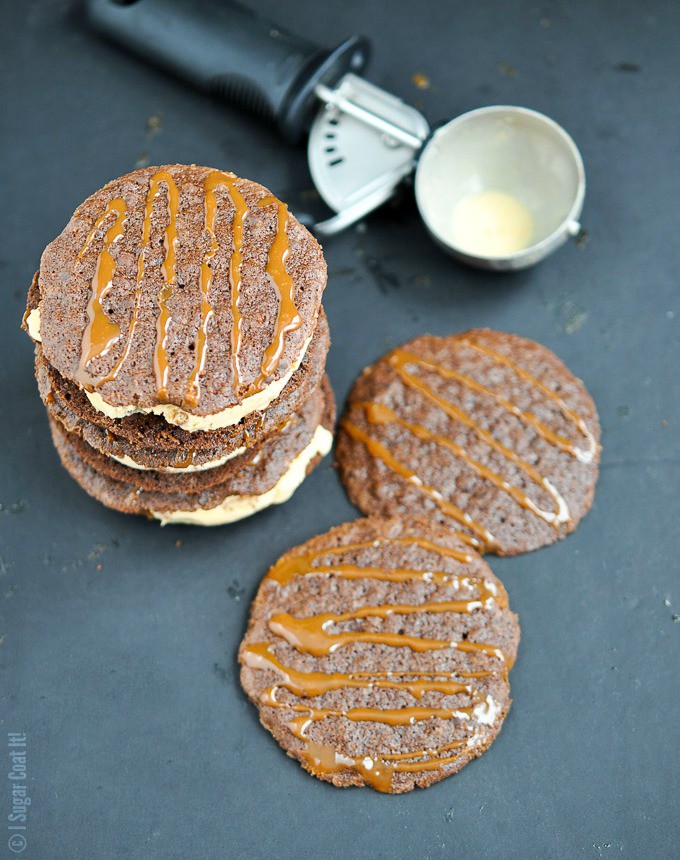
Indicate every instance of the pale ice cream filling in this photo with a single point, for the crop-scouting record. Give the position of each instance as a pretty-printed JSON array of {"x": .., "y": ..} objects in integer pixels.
[
  {"x": 33, "y": 325},
  {"x": 217, "y": 420},
  {"x": 176, "y": 470},
  {"x": 235, "y": 508},
  {"x": 175, "y": 414}
]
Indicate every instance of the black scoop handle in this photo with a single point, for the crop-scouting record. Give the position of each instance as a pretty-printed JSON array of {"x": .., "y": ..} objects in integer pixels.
[{"x": 225, "y": 48}]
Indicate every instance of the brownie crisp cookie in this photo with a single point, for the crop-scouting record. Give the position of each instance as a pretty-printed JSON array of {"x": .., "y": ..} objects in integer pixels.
[
  {"x": 378, "y": 654},
  {"x": 180, "y": 291},
  {"x": 485, "y": 432}
]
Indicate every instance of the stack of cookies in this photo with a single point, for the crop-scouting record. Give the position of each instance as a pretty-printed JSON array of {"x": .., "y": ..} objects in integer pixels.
[
  {"x": 181, "y": 345},
  {"x": 180, "y": 351}
]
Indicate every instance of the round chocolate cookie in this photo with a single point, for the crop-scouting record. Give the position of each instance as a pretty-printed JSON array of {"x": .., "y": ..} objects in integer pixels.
[
  {"x": 151, "y": 441},
  {"x": 181, "y": 289},
  {"x": 378, "y": 654},
  {"x": 488, "y": 433},
  {"x": 267, "y": 477}
]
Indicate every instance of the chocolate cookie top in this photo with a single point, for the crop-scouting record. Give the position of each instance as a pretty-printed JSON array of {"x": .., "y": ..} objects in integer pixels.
[
  {"x": 486, "y": 432},
  {"x": 179, "y": 285},
  {"x": 378, "y": 654}
]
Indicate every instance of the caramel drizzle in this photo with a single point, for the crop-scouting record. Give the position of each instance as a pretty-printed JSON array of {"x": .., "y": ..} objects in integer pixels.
[
  {"x": 378, "y": 772},
  {"x": 303, "y": 565},
  {"x": 98, "y": 323},
  {"x": 399, "y": 359},
  {"x": 309, "y": 684},
  {"x": 313, "y": 636},
  {"x": 169, "y": 270},
  {"x": 323, "y": 759},
  {"x": 214, "y": 180},
  {"x": 389, "y": 716},
  {"x": 482, "y": 536},
  {"x": 583, "y": 456},
  {"x": 423, "y": 752},
  {"x": 101, "y": 333},
  {"x": 186, "y": 462},
  {"x": 377, "y": 413},
  {"x": 288, "y": 318},
  {"x": 168, "y": 274}
]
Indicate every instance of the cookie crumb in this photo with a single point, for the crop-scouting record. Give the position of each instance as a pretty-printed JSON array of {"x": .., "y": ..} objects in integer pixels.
[
  {"x": 507, "y": 70},
  {"x": 420, "y": 81},
  {"x": 154, "y": 125},
  {"x": 630, "y": 68}
]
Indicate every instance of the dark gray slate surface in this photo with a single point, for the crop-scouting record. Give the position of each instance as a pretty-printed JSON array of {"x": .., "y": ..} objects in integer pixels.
[{"x": 119, "y": 645}]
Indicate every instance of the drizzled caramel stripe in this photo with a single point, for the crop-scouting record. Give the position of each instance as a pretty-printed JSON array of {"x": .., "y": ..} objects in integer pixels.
[
  {"x": 287, "y": 319},
  {"x": 389, "y": 716},
  {"x": 101, "y": 332},
  {"x": 323, "y": 760},
  {"x": 92, "y": 348},
  {"x": 399, "y": 359},
  {"x": 309, "y": 684},
  {"x": 301, "y": 565},
  {"x": 377, "y": 771},
  {"x": 584, "y": 456},
  {"x": 483, "y": 537},
  {"x": 214, "y": 179},
  {"x": 422, "y": 752},
  {"x": 169, "y": 270},
  {"x": 309, "y": 634},
  {"x": 376, "y": 413}
]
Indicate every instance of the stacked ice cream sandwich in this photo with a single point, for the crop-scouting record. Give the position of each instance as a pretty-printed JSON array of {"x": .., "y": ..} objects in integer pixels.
[{"x": 181, "y": 345}]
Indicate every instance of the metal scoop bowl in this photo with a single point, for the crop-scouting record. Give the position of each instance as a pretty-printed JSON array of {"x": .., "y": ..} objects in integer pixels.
[{"x": 513, "y": 172}]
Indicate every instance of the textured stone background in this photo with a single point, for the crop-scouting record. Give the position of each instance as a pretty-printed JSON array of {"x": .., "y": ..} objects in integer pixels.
[{"x": 120, "y": 638}]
